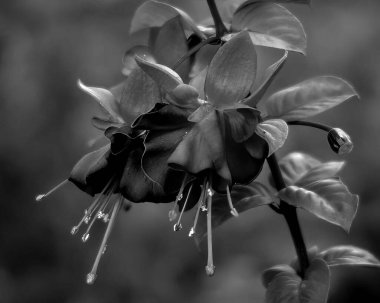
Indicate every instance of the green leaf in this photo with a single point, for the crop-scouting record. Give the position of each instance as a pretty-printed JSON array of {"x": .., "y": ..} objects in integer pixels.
[
  {"x": 349, "y": 255},
  {"x": 269, "y": 76},
  {"x": 155, "y": 14},
  {"x": 274, "y": 131},
  {"x": 166, "y": 78},
  {"x": 309, "y": 98},
  {"x": 232, "y": 71},
  {"x": 105, "y": 99},
  {"x": 294, "y": 165},
  {"x": 228, "y": 7},
  {"x": 129, "y": 62},
  {"x": 243, "y": 199},
  {"x": 269, "y": 274},
  {"x": 285, "y": 286},
  {"x": 315, "y": 287},
  {"x": 270, "y": 25},
  {"x": 139, "y": 95},
  {"x": 327, "y": 199},
  {"x": 320, "y": 172}
]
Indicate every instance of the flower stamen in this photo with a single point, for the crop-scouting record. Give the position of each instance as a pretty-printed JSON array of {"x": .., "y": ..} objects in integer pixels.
[
  {"x": 199, "y": 203},
  {"x": 42, "y": 196},
  {"x": 233, "y": 210},
  {"x": 178, "y": 225},
  {"x": 91, "y": 276},
  {"x": 210, "y": 268},
  {"x": 173, "y": 212}
]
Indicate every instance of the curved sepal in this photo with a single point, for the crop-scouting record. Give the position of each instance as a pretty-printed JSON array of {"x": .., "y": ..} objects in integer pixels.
[
  {"x": 166, "y": 78},
  {"x": 129, "y": 62},
  {"x": 105, "y": 99},
  {"x": 232, "y": 72},
  {"x": 269, "y": 76}
]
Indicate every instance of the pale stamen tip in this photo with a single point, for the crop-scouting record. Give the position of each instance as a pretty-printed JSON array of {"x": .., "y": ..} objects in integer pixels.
[
  {"x": 177, "y": 227},
  {"x": 234, "y": 212},
  {"x": 210, "y": 270},
  {"x": 90, "y": 278},
  {"x": 40, "y": 197},
  {"x": 74, "y": 230},
  {"x": 191, "y": 232},
  {"x": 85, "y": 237}
]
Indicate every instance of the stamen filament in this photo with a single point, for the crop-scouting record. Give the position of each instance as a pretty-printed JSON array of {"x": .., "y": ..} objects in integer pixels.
[
  {"x": 200, "y": 203},
  {"x": 210, "y": 268},
  {"x": 91, "y": 276},
  {"x": 233, "y": 210},
  {"x": 42, "y": 196},
  {"x": 178, "y": 225},
  {"x": 173, "y": 212},
  {"x": 89, "y": 211}
]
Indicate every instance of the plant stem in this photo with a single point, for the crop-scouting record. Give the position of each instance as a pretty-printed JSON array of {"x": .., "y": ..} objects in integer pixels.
[
  {"x": 290, "y": 214},
  {"x": 194, "y": 50},
  {"x": 219, "y": 25},
  {"x": 311, "y": 124}
]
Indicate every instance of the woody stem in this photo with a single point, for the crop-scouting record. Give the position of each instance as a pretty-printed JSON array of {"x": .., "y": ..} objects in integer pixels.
[
  {"x": 290, "y": 214},
  {"x": 219, "y": 25}
]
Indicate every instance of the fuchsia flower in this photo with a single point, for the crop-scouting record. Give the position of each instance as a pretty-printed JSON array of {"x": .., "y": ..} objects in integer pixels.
[{"x": 221, "y": 143}]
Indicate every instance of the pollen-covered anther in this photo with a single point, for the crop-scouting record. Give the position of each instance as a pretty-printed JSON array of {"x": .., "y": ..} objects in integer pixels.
[
  {"x": 210, "y": 270},
  {"x": 233, "y": 210},
  {"x": 178, "y": 225},
  {"x": 42, "y": 196}
]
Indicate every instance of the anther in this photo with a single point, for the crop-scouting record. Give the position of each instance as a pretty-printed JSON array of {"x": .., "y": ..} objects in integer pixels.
[
  {"x": 42, "y": 196},
  {"x": 178, "y": 225},
  {"x": 173, "y": 212},
  {"x": 91, "y": 276},
  {"x": 210, "y": 268},
  {"x": 233, "y": 210}
]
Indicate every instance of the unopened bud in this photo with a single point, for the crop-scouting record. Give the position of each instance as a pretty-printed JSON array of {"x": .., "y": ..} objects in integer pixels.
[
  {"x": 340, "y": 142},
  {"x": 185, "y": 95}
]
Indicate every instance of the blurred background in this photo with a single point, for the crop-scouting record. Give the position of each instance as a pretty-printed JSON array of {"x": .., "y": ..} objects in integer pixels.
[{"x": 45, "y": 46}]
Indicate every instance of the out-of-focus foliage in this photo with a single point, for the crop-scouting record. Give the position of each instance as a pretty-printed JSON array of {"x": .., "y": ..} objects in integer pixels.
[{"x": 45, "y": 46}]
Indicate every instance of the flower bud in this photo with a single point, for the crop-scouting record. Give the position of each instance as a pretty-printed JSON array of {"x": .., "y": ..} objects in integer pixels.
[
  {"x": 185, "y": 95},
  {"x": 340, "y": 142}
]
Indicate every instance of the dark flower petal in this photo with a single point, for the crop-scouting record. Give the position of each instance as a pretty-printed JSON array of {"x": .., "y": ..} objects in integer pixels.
[
  {"x": 91, "y": 173},
  {"x": 243, "y": 167},
  {"x": 159, "y": 145},
  {"x": 135, "y": 185},
  {"x": 163, "y": 117},
  {"x": 242, "y": 122},
  {"x": 202, "y": 149},
  {"x": 257, "y": 147}
]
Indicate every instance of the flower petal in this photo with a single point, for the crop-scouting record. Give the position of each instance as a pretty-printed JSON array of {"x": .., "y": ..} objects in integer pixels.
[
  {"x": 163, "y": 117},
  {"x": 202, "y": 148},
  {"x": 232, "y": 71},
  {"x": 242, "y": 122},
  {"x": 90, "y": 173}
]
